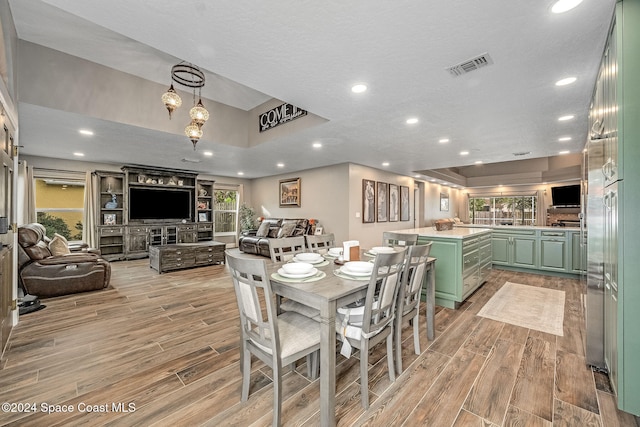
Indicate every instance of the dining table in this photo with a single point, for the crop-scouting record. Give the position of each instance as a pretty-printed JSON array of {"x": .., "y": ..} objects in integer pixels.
[{"x": 326, "y": 292}]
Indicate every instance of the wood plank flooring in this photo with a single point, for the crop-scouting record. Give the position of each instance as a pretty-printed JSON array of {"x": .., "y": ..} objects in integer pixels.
[{"x": 159, "y": 350}]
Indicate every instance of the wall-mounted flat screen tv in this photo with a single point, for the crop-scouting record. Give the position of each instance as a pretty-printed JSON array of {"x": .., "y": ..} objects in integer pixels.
[
  {"x": 566, "y": 196},
  {"x": 159, "y": 204}
]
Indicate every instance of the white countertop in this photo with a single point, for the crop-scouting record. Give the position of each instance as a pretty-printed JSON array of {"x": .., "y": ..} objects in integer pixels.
[
  {"x": 517, "y": 227},
  {"x": 456, "y": 233}
]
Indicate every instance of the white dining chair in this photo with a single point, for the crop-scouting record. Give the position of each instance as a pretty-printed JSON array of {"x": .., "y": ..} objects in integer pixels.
[
  {"x": 320, "y": 243},
  {"x": 277, "y": 340},
  {"x": 285, "y": 248},
  {"x": 390, "y": 238},
  {"x": 365, "y": 326},
  {"x": 409, "y": 297}
]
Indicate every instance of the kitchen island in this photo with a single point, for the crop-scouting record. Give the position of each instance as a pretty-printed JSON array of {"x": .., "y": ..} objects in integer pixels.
[{"x": 464, "y": 260}]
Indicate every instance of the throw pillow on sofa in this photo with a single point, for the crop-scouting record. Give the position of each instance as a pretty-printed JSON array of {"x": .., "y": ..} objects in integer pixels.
[
  {"x": 58, "y": 246},
  {"x": 287, "y": 229},
  {"x": 263, "y": 230}
]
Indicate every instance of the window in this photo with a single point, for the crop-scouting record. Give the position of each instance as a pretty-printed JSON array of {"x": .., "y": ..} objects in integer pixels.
[
  {"x": 503, "y": 210},
  {"x": 60, "y": 206},
  {"x": 226, "y": 211}
]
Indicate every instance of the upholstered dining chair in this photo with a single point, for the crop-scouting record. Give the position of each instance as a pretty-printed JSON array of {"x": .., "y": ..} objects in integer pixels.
[
  {"x": 390, "y": 238},
  {"x": 409, "y": 297},
  {"x": 365, "y": 326},
  {"x": 285, "y": 248},
  {"x": 321, "y": 243},
  {"x": 277, "y": 340}
]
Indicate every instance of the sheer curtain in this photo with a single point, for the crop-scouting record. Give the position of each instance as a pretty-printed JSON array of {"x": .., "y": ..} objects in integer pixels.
[
  {"x": 26, "y": 194},
  {"x": 90, "y": 229}
]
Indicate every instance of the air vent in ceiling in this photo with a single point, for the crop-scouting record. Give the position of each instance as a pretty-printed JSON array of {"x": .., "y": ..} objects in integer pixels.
[
  {"x": 522, "y": 153},
  {"x": 470, "y": 65},
  {"x": 188, "y": 160}
]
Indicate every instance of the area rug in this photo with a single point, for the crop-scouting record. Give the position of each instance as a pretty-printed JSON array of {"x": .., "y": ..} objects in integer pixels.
[{"x": 527, "y": 306}]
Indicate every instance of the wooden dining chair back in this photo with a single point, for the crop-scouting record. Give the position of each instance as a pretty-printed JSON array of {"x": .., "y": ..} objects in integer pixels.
[
  {"x": 285, "y": 248},
  {"x": 409, "y": 297},
  {"x": 276, "y": 340},
  {"x": 390, "y": 238},
  {"x": 320, "y": 243},
  {"x": 365, "y": 326}
]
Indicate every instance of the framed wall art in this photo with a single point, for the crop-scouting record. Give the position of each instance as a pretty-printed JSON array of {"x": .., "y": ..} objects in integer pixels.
[
  {"x": 368, "y": 200},
  {"x": 444, "y": 201},
  {"x": 394, "y": 203},
  {"x": 382, "y": 201},
  {"x": 404, "y": 203},
  {"x": 290, "y": 192}
]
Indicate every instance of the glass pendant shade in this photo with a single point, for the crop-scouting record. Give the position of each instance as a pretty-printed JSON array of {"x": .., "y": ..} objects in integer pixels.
[
  {"x": 171, "y": 100},
  {"x": 199, "y": 114},
  {"x": 194, "y": 132}
]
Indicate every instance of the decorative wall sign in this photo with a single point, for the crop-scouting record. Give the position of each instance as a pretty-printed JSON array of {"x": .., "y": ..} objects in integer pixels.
[
  {"x": 382, "y": 201},
  {"x": 290, "y": 192},
  {"x": 368, "y": 200},
  {"x": 394, "y": 203},
  {"x": 404, "y": 203},
  {"x": 444, "y": 201},
  {"x": 280, "y": 115}
]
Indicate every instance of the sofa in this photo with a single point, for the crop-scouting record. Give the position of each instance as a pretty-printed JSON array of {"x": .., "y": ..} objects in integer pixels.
[
  {"x": 257, "y": 241},
  {"x": 48, "y": 268}
]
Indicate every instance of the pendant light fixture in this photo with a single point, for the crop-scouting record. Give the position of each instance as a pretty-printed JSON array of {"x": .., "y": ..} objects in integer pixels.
[{"x": 190, "y": 76}]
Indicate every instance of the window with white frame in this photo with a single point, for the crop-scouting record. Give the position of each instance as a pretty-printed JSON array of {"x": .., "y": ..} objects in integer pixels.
[
  {"x": 226, "y": 211},
  {"x": 516, "y": 209},
  {"x": 60, "y": 204}
]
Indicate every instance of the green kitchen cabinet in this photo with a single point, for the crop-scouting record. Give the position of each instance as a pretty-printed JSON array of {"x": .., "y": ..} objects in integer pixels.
[
  {"x": 516, "y": 248},
  {"x": 553, "y": 251}
]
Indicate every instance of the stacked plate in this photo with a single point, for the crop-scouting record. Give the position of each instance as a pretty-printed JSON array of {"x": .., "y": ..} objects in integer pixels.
[
  {"x": 335, "y": 252},
  {"x": 308, "y": 257},
  {"x": 381, "y": 250},
  {"x": 357, "y": 268},
  {"x": 297, "y": 270}
]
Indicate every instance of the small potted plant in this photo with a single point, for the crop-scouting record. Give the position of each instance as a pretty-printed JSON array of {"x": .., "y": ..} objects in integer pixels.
[{"x": 246, "y": 218}]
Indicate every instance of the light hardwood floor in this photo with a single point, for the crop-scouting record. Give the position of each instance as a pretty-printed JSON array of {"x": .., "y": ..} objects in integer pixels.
[{"x": 168, "y": 345}]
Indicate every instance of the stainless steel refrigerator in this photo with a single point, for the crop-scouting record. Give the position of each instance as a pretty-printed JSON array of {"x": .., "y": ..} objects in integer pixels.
[{"x": 593, "y": 229}]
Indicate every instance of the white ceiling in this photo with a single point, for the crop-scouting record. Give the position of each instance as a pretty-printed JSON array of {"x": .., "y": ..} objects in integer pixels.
[{"x": 310, "y": 53}]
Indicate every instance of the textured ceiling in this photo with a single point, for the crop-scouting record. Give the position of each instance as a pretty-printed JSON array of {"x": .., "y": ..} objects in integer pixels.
[{"x": 310, "y": 53}]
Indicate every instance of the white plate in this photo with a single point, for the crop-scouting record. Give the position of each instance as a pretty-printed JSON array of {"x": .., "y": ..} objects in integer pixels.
[
  {"x": 359, "y": 266},
  {"x": 317, "y": 260},
  {"x": 382, "y": 250},
  {"x": 348, "y": 272},
  {"x": 297, "y": 267},
  {"x": 297, "y": 276}
]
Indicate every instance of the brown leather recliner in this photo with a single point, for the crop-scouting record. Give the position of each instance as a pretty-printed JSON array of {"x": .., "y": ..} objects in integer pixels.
[{"x": 44, "y": 275}]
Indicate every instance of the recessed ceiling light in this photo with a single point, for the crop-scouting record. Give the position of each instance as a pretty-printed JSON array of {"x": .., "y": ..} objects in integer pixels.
[
  {"x": 416, "y": 176},
  {"x": 412, "y": 121},
  {"x": 478, "y": 162},
  {"x": 443, "y": 140},
  {"x": 86, "y": 132},
  {"x": 564, "y": 138},
  {"x": 280, "y": 165},
  {"x": 359, "y": 88},
  {"x": 207, "y": 153},
  {"x": 562, "y": 6},
  {"x": 564, "y": 152},
  {"x": 564, "y": 118},
  {"x": 566, "y": 81},
  {"x": 78, "y": 154},
  {"x": 464, "y": 153},
  {"x": 385, "y": 163},
  {"x": 317, "y": 145},
  {"x": 240, "y": 173}
]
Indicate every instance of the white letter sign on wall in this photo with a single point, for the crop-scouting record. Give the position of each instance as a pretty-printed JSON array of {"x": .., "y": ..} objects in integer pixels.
[{"x": 279, "y": 115}]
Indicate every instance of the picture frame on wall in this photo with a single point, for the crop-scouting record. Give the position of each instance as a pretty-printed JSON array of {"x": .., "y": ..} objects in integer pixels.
[
  {"x": 444, "y": 201},
  {"x": 394, "y": 203},
  {"x": 368, "y": 201},
  {"x": 290, "y": 192},
  {"x": 404, "y": 203},
  {"x": 382, "y": 201}
]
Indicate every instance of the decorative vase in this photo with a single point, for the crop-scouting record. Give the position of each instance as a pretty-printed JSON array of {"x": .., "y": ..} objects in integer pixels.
[{"x": 112, "y": 204}]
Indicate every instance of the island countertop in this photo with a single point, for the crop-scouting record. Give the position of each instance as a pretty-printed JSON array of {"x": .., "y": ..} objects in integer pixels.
[
  {"x": 456, "y": 233},
  {"x": 517, "y": 227}
]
